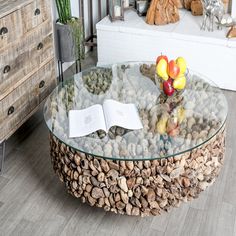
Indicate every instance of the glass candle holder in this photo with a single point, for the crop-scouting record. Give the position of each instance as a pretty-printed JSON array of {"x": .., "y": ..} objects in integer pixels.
[{"x": 116, "y": 10}]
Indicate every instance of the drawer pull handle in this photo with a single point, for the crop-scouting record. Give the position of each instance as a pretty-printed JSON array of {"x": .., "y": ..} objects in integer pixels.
[
  {"x": 40, "y": 46},
  {"x": 41, "y": 84},
  {"x": 10, "y": 110},
  {"x": 6, "y": 69},
  {"x": 3, "y": 31},
  {"x": 37, "y": 12}
]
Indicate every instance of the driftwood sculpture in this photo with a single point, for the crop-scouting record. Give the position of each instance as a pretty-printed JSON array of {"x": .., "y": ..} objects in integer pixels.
[{"x": 162, "y": 12}]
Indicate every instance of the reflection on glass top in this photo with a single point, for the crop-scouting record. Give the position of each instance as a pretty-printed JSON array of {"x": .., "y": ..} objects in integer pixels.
[{"x": 171, "y": 126}]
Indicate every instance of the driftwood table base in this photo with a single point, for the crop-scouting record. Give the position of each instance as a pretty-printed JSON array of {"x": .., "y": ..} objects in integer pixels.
[{"x": 138, "y": 188}]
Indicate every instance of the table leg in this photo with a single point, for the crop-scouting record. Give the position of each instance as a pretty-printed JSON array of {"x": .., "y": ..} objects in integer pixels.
[
  {"x": 76, "y": 66},
  {"x": 59, "y": 71},
  {"x": 2, "y": 155}
]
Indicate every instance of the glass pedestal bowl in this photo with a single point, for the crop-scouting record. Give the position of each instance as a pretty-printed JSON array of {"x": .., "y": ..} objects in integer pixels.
[{"x": 159, "y": 83}]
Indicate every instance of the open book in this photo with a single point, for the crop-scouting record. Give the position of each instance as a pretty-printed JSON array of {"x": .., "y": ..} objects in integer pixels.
[{"x": 103, "y": 117}]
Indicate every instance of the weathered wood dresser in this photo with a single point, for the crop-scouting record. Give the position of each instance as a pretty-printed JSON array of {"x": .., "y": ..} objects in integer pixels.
[{"x": 27, "y": 70}]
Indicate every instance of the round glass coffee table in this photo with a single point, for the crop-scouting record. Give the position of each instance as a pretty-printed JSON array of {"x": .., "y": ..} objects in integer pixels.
[{"x": 177, "y": 154}]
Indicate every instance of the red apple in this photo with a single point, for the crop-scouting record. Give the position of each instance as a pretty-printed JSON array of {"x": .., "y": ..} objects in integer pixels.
[
  {"x": 168, "y": 88},
  {"x": 173, "y": 69},
  {"x": 161, "y": 57},
  {"x": 174, "y": 132}
]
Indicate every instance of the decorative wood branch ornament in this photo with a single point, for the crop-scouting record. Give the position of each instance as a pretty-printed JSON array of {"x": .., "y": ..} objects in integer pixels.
[{"x": 232, "y": 32}]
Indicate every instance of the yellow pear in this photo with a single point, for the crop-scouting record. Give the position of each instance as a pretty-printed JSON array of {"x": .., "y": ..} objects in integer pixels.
[
  {"x": 161, "y": 69},
  {"x": 181, "y": 114},
  {"x": 181, "y": 63},
  {"x": 161, "y": 124},
  {"x": 179, "y": 83}
]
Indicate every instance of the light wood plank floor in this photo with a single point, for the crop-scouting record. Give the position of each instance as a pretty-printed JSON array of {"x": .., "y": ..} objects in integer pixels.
[{"x": 34, "y": 202}]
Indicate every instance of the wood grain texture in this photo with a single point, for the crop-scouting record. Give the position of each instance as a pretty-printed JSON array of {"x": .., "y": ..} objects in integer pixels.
[
  {"x": 27, "y": 69},
  {"x": 6, "y": 7},
  {"x": 42, "y": 84},
  {"x": 31, "y": 19},
  {"x": 25, "y": 57},
  {"x": 33, "y": 202},
  {"x": 13, "y": 25},
  {"x": 21, "y": 20},
  {"x": 25, "y": 98}
]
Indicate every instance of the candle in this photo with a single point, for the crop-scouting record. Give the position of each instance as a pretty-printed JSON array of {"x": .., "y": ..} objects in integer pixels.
[
  {"x": 126, "y": 3},
  {"x": 117, "y": 10}
]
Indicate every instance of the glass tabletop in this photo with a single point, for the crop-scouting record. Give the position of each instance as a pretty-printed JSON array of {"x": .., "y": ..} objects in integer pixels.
[{"x": 171, "y": 126}]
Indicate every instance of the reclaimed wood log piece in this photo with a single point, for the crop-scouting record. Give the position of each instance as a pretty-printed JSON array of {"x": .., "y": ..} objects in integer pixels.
[
  {"x": 196, "y": 7},
  {"x": 138, "y": 188},
  {"x": 232, "y": 32},
  {"x": 187, "y": 4}
]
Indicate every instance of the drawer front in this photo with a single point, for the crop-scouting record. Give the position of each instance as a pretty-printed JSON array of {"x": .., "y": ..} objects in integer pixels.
[
  {"x": 17, "y": 105},
  {"x": 45, "y": 10},
  {"x": 41, "y": 51},
  {"x": 16, "y": 62},
  {"x": 43, "y": 84},
  {"x": 12, "y": 70},
  {"x": 10, "y": 28},
  {"x": 35, "y": 13},
  {"x": 14, "y": 108}
]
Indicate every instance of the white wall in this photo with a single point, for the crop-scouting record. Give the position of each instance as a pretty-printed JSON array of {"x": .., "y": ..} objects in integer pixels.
[{"x": 233, "y": 9}]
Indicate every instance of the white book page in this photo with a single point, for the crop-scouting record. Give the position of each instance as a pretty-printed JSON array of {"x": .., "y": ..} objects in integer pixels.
[
  {"x": 86, "y": 121},
  {"x": 120, "y": 114}
]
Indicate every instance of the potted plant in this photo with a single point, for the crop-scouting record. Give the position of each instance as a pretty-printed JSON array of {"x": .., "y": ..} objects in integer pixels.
[{"x": 70, "y": 33}]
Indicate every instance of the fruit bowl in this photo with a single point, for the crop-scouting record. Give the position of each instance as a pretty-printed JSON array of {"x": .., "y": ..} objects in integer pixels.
[{"x": 160, "y": 85}]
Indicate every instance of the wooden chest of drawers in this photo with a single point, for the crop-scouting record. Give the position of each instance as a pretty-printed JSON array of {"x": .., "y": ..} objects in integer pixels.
[{"x": 27, "y": 70}]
